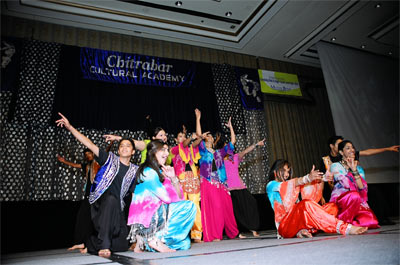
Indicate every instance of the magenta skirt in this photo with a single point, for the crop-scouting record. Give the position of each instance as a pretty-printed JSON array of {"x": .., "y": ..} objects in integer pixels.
[
  {"x": 351, "y": 211},
  {"x": 216, "y": 212}
]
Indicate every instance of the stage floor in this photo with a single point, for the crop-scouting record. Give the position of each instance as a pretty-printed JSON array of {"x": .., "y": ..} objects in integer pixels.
[{"x": 378, "y": 246}]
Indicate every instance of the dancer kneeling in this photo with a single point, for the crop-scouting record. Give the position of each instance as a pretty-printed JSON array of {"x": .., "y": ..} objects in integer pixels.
[
  {"x": 350, "y": 192},
  {"x": 159, "y": 217},
  {"x": 306, "y": 217},
  {"x": 108, "y": 190}
]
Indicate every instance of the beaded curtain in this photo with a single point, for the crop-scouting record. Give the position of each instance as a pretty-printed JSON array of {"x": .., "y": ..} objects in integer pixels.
[
  {"x": 30, "y": 143},
  {"x": 249, "y": 127},
  {"x": 27, "y": 143}
]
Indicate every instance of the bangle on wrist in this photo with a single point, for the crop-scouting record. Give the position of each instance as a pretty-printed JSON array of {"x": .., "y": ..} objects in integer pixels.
[
  {"x": 300, "y": 181},
  {"x": 174, "y": 180},
  {"x": 306, "y": 179}
]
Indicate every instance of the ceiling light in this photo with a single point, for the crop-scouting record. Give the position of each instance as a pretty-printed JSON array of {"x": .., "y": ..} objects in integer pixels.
[
  {"x": 362, "y": 46},
  {"x": 228, "y": 14},
  {"x": 333, "y": 39},
  {"x": 178, "y": 3},
  {"x": 377, "y": 5}
]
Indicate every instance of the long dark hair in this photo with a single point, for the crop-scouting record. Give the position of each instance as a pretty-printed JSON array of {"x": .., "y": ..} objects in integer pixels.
[
  {"x": 277, "y": 167},
  {"x": 151, "y": 161},
  {"x": 155, "y": 132},
  {"x": 343, "y": 143},
  {"x": 151, "y": 129}
]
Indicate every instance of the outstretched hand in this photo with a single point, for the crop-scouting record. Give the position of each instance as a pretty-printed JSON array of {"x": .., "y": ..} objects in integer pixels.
[
  {"x": 315, "y": 174},
  {"x": 229, "y": 123},
  {"x": 204, "y": 135},
  {"x": 63, "y": 122},
  {"x": 261, "y": 143},
  {"x": 328, "y": 176},
  {"x": 111, "y": 137},
  {"x": 60, "y": 158},
  {"x": 394, "y": 148}
]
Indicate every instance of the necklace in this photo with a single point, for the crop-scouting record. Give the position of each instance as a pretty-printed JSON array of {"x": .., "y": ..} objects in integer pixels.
[
  {"x": 210, "y": 150},
  {"x": 344, "y": 164}
]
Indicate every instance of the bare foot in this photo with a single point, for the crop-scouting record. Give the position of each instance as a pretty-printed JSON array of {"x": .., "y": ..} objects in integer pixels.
[
  {"x": 197, "y": 241},
  {"x": 303, "y": 233},
  {"x": 132, "y": 247},
  {"x": 135, "y": 247},
  {"x": 357, "y": 230},
  {"x": 216, "y": 240},
  {"x": 160, "y": 246},
  {"x": 255, "y": 233},
  {"x": 242, "y": 236},
  {"x": 105, "y": 253},
  {"x": 80, "y": 246},
  {"x": 83, "y": 250}
]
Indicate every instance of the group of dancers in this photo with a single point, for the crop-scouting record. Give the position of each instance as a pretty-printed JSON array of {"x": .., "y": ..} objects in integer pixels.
[{"x": 202, "y": 194}]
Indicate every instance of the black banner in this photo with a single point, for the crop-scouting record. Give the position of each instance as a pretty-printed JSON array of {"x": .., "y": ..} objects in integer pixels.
[{"x": 125, "y": 68}]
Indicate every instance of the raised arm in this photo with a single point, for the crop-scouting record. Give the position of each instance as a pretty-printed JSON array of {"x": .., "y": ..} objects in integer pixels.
[
  {"x": 199, "y": 138},
  {"x": 186, "y": 142},
  {"x": 233, "y": 136},
  {"x": 250, "y": 148},
  {"x": 63, "y": 122},
  {"x": 139, "y": 144},
  {"x": 108, "y": 148},
  {"x": 68, "y": 163},
  {"x": 198, "y": 125},
  {"x": 375, "y": 151}
]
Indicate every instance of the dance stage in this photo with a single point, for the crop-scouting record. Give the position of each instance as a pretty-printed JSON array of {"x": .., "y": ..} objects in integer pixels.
[{"x": 378, "y": 246}]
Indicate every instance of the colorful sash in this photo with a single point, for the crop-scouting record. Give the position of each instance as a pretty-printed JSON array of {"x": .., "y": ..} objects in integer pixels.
[{"x": 105, "y": 176}]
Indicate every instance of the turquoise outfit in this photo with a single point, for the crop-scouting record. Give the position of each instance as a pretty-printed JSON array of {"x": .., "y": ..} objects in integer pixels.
[{"x": 157, "y": 211}]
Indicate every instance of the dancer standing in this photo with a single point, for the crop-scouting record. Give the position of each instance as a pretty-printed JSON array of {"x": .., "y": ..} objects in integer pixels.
[
  {"x": 216, "y": 203},
  {"x": 244, "y": 204},
  {"x": 185, "y": 157},
  {"x": 83, "y": 225}
]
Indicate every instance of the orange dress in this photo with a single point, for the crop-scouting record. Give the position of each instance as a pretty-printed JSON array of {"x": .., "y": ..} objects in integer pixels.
[{"x": 292, "y": 216}]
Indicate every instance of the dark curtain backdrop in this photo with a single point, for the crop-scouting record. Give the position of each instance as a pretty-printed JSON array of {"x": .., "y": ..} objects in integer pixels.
[
  {"x": 298, "y": 129},
  {"x": 104, "y": 105},
  {"x": 49, "y": 81}
]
